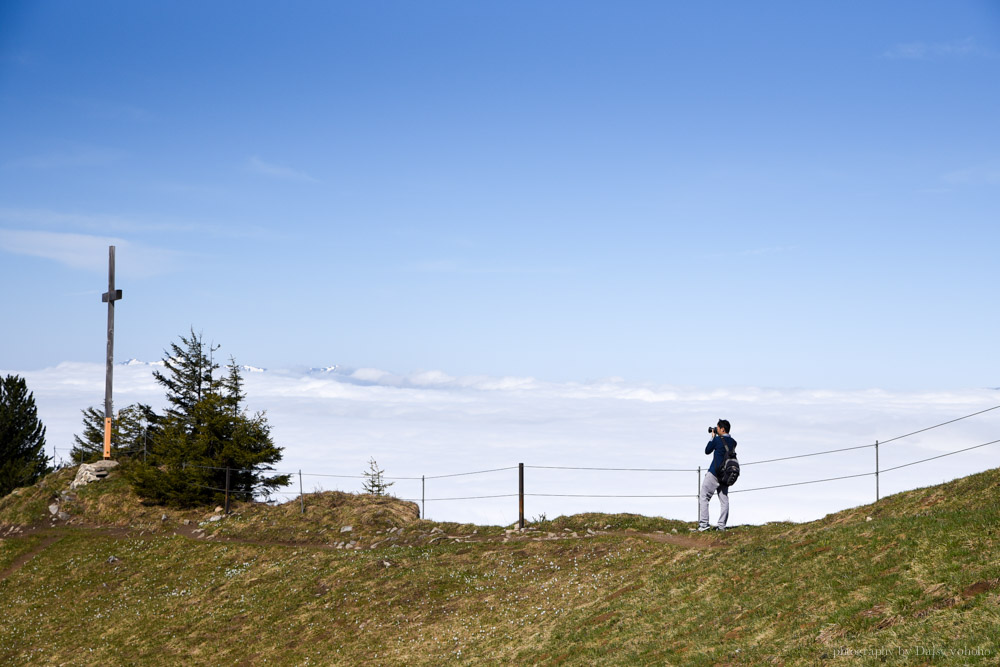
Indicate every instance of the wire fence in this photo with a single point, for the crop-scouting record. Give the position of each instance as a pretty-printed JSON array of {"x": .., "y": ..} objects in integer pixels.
[{"x": 521, "y": 467}]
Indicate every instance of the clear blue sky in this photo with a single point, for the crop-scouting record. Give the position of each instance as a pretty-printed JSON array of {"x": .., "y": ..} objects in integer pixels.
[{"x": 768, "y": 193}]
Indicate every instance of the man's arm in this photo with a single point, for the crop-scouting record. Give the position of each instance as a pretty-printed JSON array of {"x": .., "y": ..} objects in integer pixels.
[{"x": 710, "y": 447}]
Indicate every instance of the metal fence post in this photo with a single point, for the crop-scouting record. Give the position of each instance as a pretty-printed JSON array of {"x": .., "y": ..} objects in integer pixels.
[
  {"x": 520, "y": 495},
  {"x": 227, "y": 489},
  {"x": 423, "y": 496},
  {"x": 302, "y": 497},
  {"x": 876, "y": 472},
  {"x": 697, "y": 496}
]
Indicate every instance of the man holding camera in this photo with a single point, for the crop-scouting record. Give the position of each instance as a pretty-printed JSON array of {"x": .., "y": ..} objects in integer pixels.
[{"x": 710, "y": 485}]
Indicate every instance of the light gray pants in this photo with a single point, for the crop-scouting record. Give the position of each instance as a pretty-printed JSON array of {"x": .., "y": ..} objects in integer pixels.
[{"x": 709, "y": 486}]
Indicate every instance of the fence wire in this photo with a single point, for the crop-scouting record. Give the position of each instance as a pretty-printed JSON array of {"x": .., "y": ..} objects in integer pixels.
[
  {"x": 268, "y": 492},
  {"x": 939, "y": 456},
  {"x": 603, "y": 495},
  {"x": 613, "y": 469},
  {"x": 813, "y": 481},
  {"x": 502, "y": 495},
  {"x": 802, "y": 456},
  {"x": 474, "y": 472},
  {"x": 929, "y": 428}
]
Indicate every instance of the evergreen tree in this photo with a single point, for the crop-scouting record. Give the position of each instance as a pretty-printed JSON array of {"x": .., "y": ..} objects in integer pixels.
[
  {"x": 89, "y": 446},
  {"x": 22, "y": 437},
  {"x": 131, "y": 432},
  {"x": 375, "y": 483},
  {"x": 189, "y": 375},
  {"x": 137, "y": 426},
  {"x": 207, "y": 431},
  {"x": 232, "y": 386}
]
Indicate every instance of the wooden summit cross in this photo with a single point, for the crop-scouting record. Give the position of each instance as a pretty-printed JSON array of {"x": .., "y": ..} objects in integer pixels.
[{"x": 109, "y": 298}]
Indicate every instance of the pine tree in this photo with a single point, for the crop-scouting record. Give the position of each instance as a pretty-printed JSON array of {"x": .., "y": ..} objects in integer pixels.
[
  {"x": 22, "y": 437},
  {"x": 89, "y": 446},
  {"x": 132, "y": 430},
  {"x": 232, "y": 386},
  {"x": 189, "y": 375},
  {"x": 207, "y": 433},
  {"x": 375, "y": 483},
  {"x": 137, "y": 425}
]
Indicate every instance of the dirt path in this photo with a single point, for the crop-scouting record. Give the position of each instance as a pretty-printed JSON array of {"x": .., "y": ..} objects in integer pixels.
[
  {"x": 53, "y": 533},
  {"x": 684, "y": 541},
  {"x": 25, "y": 557},
  {"x": 688, "y": 542}
]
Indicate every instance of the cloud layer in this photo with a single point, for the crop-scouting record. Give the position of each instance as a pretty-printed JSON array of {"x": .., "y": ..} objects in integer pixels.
[{"x": 331, "y": 421}]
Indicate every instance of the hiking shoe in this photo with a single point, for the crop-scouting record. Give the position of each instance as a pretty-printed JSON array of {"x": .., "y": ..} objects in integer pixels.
[{"x": 721, "y": 529}]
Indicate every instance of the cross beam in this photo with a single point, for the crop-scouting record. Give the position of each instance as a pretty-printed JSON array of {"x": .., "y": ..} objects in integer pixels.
[{"x": 109, "y": 298}]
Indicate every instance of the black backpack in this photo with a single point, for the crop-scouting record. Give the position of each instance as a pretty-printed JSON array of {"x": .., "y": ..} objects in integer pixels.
[{"x": 729, "y": 471}]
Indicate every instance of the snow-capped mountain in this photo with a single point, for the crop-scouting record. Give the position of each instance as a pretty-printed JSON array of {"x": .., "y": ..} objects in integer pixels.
[{"x": 138, "y": 362}]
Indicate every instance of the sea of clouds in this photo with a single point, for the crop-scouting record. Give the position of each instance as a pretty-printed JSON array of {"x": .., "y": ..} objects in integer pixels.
[{"x": 330, "y": 422}]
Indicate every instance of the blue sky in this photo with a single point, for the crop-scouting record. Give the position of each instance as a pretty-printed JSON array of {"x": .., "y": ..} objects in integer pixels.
[{"x": 765, "y": 194}]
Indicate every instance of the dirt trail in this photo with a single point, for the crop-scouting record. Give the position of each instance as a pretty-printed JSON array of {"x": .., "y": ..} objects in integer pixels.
[
  {"x": 676, "y": 540},
  {"x": 52, "y": 533},
  {"x": 20, "y": 561}
]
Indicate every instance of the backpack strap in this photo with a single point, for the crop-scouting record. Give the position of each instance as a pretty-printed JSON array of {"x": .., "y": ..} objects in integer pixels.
[{"x": 725, "y": 454}]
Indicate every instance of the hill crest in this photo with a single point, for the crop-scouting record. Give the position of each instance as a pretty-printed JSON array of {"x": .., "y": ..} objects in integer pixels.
[{"x": 913, "y": 573}]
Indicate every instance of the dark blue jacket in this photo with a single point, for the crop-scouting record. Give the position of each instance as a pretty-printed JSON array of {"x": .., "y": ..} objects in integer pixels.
[{"x": 716, "y": 445}]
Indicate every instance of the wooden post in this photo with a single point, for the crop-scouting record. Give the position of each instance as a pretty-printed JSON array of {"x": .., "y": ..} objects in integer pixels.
[
  {"x": 109, "y": 298},
  {"x": 107, "y": 434},
  {"x": 520, "y": 495}
]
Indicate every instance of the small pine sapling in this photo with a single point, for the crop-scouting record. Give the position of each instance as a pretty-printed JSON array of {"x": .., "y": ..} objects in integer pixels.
[{"x": 375, "y": 483}]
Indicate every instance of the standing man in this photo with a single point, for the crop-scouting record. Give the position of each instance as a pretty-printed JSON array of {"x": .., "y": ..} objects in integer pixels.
[{"x": 710, "y": 485}]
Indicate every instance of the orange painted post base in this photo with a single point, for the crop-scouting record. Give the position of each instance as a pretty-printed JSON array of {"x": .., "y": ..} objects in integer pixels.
[{"x": 107, "y": 437}]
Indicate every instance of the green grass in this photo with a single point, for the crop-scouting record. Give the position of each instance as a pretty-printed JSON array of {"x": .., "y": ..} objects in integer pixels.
[
  {"x": 29, "y": 505},
  {"x": 922, "y": 575},
  {"x": 12, "y": 549}
]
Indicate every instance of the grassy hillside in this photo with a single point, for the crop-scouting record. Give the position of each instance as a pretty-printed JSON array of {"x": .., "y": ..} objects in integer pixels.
[{"x": 914, "y": 579}]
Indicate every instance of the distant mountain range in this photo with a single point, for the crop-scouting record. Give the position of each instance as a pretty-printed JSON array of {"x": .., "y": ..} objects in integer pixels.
[
  {"x": 139, "y": 362},
  {"x": 336, "y": 368}
]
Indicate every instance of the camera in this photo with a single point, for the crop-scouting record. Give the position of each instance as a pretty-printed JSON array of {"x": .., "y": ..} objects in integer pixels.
[{"x": 714, "y": 430}]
